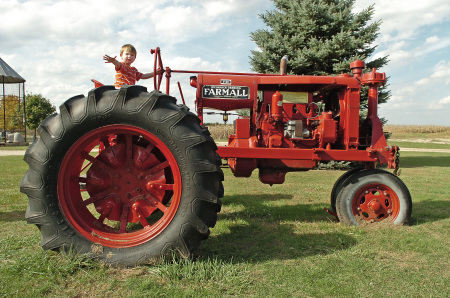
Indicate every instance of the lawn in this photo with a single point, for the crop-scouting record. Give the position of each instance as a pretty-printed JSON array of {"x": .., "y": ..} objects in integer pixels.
[{"x": 269, "y": 241}]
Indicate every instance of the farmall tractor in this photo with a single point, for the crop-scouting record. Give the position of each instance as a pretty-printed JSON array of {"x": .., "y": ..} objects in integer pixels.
[{"x": 129, "y": 176}]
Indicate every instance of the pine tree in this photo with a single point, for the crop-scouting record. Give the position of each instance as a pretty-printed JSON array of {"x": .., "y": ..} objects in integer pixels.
[{"x": 321, "y": 37}]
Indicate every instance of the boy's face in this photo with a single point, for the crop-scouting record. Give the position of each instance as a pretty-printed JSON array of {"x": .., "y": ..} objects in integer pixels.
[{"x": 128, "y": 57}]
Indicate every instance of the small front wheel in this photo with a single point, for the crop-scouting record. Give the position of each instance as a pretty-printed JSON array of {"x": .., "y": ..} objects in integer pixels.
[{"x": 373, "y": 196}]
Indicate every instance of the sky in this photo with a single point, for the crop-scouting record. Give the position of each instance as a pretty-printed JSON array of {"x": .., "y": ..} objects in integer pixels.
[{"x": 57, "y": 46}]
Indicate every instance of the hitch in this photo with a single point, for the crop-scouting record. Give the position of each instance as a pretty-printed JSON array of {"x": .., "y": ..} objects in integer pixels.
[{"x": 331, "y": 212}]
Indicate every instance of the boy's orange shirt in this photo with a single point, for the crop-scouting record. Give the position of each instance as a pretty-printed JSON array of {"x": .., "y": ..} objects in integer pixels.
[{"x": 126, "y": 74}]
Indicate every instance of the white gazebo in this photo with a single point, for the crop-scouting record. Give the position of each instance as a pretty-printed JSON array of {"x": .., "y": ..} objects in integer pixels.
[{"x": 13, "y": 88}]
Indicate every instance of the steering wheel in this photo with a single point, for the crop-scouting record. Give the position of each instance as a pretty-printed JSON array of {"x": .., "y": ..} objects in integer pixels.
[{"x": 157, "y": 66}]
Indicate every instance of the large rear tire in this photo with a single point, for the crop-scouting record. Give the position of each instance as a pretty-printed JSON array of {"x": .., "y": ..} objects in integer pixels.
[{"x": 125, "y": 176}]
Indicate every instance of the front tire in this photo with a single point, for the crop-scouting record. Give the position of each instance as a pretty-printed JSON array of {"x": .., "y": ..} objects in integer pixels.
[
  {"x": 152, "y": 190},
  {"x": 373, "y": 196}
]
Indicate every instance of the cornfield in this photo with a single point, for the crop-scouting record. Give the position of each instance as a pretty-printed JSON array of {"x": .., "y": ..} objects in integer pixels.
[
  {"x": 401, "y": 129},
  {"x": 222, "y": 131}
]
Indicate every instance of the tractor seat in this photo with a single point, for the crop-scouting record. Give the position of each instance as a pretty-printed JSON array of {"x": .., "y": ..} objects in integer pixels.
[{"x": 97, "y": 83}]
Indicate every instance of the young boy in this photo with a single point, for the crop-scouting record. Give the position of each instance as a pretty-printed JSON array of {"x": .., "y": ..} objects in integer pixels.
[{"x": 125, "y": 73}]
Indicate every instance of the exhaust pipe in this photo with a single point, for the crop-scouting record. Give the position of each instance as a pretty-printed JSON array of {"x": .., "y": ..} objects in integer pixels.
[{"x": 283, "y": 65}]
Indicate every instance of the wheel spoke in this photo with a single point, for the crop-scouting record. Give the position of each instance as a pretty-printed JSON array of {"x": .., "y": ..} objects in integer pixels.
[
  {"x": 100, "y": 196},
  {"x": 105, "y": 142},
  {"x": 102, "y": 218},
  {"x": 124, "y": 220},
  {"x": 90, "y": 180},
  {"x": 159, "y": 167},
  {"x": 161, "y": 207},
  {"x": 129, "y": 145},
  {"x": 146, "y": 153},
  {"x": 84, "y": 154},
  {"x": 140, "y": 215},
  {"x": 149, "y": 149},
  {"x": 92, "y": 159},
  {"x": 159, "y": 186},
  {"x": 82, "y": 180},
  {"x": 104, "y": 214},
  {"x": 85, "y": 167}
]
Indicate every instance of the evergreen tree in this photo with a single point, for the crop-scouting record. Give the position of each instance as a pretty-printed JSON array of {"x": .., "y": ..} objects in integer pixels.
[{"x": 321, "y": 37}]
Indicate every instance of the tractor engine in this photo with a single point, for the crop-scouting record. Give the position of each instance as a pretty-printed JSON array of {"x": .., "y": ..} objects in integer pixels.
[{"x": 295, "y": 122}]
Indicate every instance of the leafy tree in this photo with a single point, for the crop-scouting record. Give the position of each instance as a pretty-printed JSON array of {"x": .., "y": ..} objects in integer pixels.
[
  {"x": 12, "y": 116},
  {"x": 244, "y": 112},
  {"x": 17, "y": 116},
  {"x": 321, "y": 37},
  {"x": 37, "y": 108}
]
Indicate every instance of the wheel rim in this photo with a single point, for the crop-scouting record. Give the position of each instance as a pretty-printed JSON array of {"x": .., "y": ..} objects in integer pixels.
[
  {"x": 376, "y": 202},
  {"x": 126, "y": 194}
]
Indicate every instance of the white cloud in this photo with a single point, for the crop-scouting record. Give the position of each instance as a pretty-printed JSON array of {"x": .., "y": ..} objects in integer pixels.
[
  {"x": 401, "y": 19},
  {"x": 404, "y": 23},
  {"x": 401, "y": 96},
  {"x": 399, "y": 57},
  {"x": 440, "y": 75},
  {"x": 442, "y": 72},
  {"x": 186, "y": 20},
  {"x": 439, "y": 105},
  {"x": 445, "y": 101},
  {"x": 195, "y": 63},
  {"x": 421, "y": 95},
  {"x": 432, "y": 40},
  {"x": 57, "y": 21}
]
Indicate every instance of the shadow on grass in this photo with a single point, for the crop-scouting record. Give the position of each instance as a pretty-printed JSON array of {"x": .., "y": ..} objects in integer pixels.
[
  {"x": 259, "y": 232},
  {"x": 12, "y": 216},
  {"x": 255, "y": 206},
  {"x": 418, "y": 161},
  {"x": 429, "y": 211},
  {"x": 259, "y": 242}
]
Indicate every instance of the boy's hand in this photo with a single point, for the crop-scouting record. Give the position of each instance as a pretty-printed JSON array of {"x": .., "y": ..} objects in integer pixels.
[
  {"x": 151, "y": 74},
  {"x": 109, "y": 59}
]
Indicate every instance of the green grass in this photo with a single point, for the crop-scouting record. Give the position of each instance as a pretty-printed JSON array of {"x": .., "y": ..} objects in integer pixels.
[
  {"x": 13, "y": 147},
  {"x": 418, "y": 145},
  {"x": 269, "y": 241}
]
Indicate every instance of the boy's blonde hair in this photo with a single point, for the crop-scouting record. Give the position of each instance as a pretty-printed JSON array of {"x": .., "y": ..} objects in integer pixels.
[{"x": 129, "y": 48}]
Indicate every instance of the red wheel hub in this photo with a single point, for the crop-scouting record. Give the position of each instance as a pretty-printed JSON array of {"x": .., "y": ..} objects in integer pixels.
[
  {"x": 376, "y": 202},
  {"x": 124, "y": 196},
  {"x": 375, "y": 205}
]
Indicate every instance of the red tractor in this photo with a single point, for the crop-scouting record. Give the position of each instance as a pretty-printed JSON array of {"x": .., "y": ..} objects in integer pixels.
[{"x": 130, "y": 177}]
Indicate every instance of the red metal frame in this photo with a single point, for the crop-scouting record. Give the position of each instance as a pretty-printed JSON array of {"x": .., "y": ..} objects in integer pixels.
[{"x": 261, "y": 141}]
